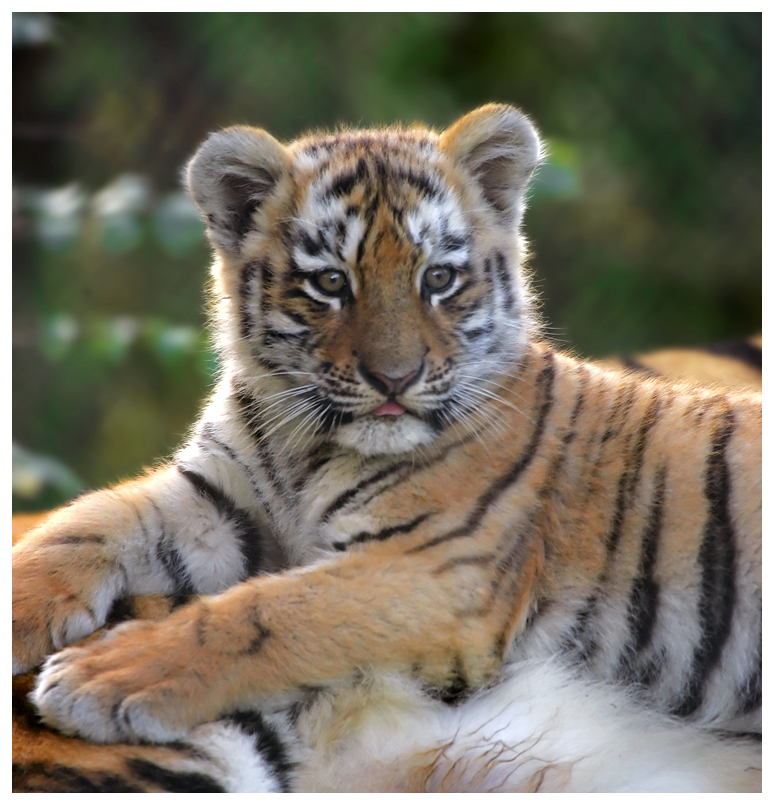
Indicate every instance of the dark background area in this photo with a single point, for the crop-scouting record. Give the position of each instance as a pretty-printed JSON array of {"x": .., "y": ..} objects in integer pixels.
[{"x": 645, "y": 222}]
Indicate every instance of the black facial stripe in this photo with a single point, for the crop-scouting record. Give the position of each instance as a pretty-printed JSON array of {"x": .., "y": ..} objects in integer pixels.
[
  {"x": 313, "y": 247},
  {"x": 461, "y": 289},
  {"x": 249, "y": 272},
  {"x": 505, "y": 280},
  {"x": 423, "y": 184},
  {"x": 299, "y": 293},
  {"x": 343, "y": 185},
  {"x": 273, "y": 336},
  {"x": 267, "y": 278},
  {"x": 453, "y": 242}
]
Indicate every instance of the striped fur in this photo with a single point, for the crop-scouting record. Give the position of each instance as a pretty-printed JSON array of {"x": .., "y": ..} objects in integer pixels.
[{"x": 437, "y": 494}]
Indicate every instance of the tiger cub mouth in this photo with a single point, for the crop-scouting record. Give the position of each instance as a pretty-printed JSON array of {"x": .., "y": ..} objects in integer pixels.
[{"x": 389, "y": 409}]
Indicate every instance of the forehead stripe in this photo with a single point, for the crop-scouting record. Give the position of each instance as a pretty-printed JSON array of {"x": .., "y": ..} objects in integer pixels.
[{"x": 344, "y": 184}]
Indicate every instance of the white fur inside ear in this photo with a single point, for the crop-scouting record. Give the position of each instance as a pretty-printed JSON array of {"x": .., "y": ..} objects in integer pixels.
[
  {"x": 231, "y": 176},
  {"x": 500, "y": 148}
]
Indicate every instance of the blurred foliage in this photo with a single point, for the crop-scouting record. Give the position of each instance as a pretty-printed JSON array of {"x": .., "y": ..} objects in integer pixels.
[{"x": 645, "y": 221}]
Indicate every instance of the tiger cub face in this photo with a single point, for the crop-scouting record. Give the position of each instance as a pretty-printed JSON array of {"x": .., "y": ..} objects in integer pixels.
[{"x": 375, "y": 272}]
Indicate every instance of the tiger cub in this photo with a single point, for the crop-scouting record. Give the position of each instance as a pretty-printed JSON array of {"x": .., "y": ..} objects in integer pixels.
[{"x": 439, "y": 494}]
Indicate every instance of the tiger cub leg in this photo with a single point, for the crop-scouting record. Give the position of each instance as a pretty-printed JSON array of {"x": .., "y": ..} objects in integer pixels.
[
  {"x": 377, "y": 607},
  {"x": 158, "y": 534}
]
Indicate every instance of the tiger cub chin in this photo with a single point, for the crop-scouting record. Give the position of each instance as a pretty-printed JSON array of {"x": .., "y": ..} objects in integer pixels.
[{"x": 439, "y": 493}]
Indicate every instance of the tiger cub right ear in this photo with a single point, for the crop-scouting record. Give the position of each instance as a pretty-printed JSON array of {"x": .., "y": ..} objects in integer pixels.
[
  {"x": 231, "y": 176},
  {"x": 500, "y": 148}
]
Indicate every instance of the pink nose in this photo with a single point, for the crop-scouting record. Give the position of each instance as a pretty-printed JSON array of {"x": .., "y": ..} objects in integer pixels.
[{"x": 386, "y": 385}]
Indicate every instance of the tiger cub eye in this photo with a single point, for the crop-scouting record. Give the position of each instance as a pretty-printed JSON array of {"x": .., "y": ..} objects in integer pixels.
[
  {"x": 331, "y": 281},
  {"x": 438, "y": 277}
]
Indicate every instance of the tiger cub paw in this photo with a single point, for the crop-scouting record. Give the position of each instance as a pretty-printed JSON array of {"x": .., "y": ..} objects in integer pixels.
[
  {"x": 130, "y": 686},
  {"x": 44, "y": 620}
]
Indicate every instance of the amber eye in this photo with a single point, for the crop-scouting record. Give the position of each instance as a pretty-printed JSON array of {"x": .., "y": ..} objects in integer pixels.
[
  {"x": 331, "y": 281},
  {"x": 438, "y": 277}
]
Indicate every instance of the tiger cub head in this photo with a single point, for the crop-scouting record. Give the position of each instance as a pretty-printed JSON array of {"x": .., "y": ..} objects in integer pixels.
[{"x": 376, "y": 272}]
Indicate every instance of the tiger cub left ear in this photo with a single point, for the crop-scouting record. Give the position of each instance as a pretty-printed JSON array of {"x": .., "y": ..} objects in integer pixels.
[
  {"x": 500, "y": 148},
  {"x": 235, "y": 173}
]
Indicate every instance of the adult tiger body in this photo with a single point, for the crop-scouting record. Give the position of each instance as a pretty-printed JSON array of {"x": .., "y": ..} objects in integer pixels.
[
  {"x": 735, "y": 363},
  {"x": 452, "y": 495}
]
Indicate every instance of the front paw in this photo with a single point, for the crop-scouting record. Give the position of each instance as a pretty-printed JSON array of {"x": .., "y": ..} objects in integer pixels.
[
  {"x": 47, "y": 617},
  {"x": 63, "y": 588},
  {"x": 134, "y": 685}
]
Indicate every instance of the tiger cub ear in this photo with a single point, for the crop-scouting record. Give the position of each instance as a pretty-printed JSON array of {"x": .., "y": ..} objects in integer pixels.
[
  {"x": 500, "y": 148},
  {"x": 231, "y": 176}
]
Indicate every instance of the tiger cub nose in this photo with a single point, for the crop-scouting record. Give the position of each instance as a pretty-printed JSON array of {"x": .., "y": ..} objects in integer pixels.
[{"x": 387, "y": 385}]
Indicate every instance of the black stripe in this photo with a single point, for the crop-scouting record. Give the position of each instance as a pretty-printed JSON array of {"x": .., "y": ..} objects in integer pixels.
[
  {"x": 504, "y": 275},
  {"x": 463, "y": 287},
  {"x": 312, "y": 246},
  {"x": 344, "y": 498},
  {"x": 41, "y": 777},
  {"x": 174, "y": 565},
  {"x": 544, "y": 383},
  {"x": 630, "y": 478},
  {"x": 344, "y": 184},
  {"x": 716, "y": 558},
  {"x": 452, "y": 242},
  {"x": 249, "y": 271},
  {"x": 249, "y": 411},
  {"x": 266, "y": 272},
  {"x": 416, "y": 466},
  {"x": 314, "y": 304},
  {"x": 507, "y": 568},
  {"x": 332, "y": 418},
  {"x": 262, "y": 632},
  {"x": 423, "y": 184},
  {"x": 644, "y": 597},
  {"x": 74, "y": 540},
  {"x": 245, "y": 530},
  {"x": 384, "y": 534},
  {"x": 582, "y": 640},
  {"x": 273, "y": 337},
  {"x": 171, "y": 780},
  {"x": 369, "y": 219},
  {"x": 267, "y": 743},
  {"x": 642, "y": 611},
  {"x": 209, "y": 433},
  {"x": 739, "y": 349},
  {"x": 621, "y": 409},
  {"x": 121, "y": 610}
]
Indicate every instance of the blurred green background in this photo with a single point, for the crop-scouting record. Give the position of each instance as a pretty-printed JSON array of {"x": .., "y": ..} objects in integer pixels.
[{"x": 645, "y": 221}]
